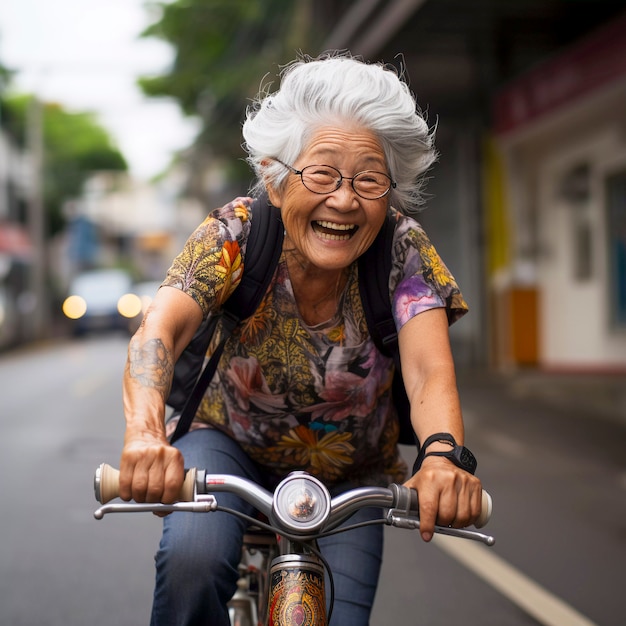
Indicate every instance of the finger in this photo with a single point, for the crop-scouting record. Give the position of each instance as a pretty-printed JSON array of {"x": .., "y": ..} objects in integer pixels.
[
  {"x": 477, "y": 502},
  {"x": 125, "y": 481},
  {"x": 468, "y": 502},
  {"x": 155, "y": 482},
  {"x": 128, "y": 465},
  {"x": 463, "y": 510},
  {"x": 428, "y": 508},
  {"x": 448, "y": 509},
  {"x": 173, "y": 478}
]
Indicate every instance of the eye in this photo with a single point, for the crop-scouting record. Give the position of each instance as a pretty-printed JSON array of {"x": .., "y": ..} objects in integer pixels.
[
  {"x": 322, "y": 171},
  {"x": 375, "y": 178},
  {"x": 321, "y": 176}
]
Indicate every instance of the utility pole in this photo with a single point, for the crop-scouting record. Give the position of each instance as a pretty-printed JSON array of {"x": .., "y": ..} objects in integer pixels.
[{"x": 37, "y": 306}]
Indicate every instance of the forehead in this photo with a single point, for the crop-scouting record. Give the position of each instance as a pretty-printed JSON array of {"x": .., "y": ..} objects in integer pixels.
[{"x": 344, "y": 144}]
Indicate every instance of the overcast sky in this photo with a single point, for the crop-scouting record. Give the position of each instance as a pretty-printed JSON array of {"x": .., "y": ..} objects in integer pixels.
[{"x": 86, "y": 55}]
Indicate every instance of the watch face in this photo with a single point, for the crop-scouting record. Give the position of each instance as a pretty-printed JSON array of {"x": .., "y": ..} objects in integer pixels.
[{"x": 468, "y": 459}]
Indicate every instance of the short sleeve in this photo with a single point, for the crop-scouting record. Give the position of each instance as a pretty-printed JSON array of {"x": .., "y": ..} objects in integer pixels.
[
  {"x": 210, "y": 265},
  {"x": 419, "y": 278}
]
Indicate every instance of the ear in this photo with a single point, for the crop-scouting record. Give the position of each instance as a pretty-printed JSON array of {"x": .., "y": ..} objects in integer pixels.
[{"x": 276, "y": 197}]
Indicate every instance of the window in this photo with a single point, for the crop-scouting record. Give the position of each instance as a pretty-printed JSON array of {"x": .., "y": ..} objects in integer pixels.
[{"x": 616, "y": 246}]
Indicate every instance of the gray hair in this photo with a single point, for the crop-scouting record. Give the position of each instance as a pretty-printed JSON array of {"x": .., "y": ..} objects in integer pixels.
[{"x": 339, "y": 89}]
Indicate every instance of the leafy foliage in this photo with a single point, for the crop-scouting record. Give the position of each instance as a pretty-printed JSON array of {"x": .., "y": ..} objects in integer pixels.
[
  {"x": 74, "y": 145},
  {"x": 5, "y": 77},
  {"x": 223, "y": 48}
]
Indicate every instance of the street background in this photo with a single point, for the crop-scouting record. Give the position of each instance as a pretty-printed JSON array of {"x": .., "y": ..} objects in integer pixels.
[
  {"x": 120, "y": 129},
  {"x": 548, "y": 450}
]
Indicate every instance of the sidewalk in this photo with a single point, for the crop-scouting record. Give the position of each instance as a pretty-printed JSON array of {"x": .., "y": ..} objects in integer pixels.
[{"x": 595, "y": 395}]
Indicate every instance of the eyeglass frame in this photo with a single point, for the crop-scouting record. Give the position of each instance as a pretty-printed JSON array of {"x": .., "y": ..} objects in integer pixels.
[{"x": 293, "y": 170}]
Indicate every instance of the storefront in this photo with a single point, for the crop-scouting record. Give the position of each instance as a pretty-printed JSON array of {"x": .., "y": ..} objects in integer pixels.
[
  {"x": 16, "y": 252},
  {"x": 555, "y": 198}
]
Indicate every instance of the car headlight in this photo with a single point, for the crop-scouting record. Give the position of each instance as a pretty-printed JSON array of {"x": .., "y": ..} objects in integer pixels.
[
  {"x": 74, "y": 307},
  {"x": 129, "y": 305}
]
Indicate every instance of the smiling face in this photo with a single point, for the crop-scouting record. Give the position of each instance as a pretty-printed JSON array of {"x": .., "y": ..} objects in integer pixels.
[{"x": 331, "y": 231}]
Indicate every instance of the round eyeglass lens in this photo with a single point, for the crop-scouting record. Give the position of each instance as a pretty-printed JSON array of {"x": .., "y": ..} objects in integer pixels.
[
  {"x": 371, "y": 184},
  {"x": 326, "y": 179}
]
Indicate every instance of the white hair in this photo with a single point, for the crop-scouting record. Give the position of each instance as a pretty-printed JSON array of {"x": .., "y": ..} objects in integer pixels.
[{"x": 340, "y": 89}]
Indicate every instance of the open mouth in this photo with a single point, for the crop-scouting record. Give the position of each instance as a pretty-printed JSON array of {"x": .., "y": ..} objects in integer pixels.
[{"x": 334, "y": 231}]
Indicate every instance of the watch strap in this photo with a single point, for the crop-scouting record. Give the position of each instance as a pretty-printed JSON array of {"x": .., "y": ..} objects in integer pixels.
[
  {"x": 461, "y": 456},
  {"x": 432, "y": 439}
]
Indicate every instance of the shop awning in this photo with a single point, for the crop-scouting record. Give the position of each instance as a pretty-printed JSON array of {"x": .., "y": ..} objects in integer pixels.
[{"x": 596, "y": 61}]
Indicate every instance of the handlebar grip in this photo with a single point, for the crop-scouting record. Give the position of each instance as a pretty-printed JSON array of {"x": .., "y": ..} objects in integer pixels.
[
  {"x": 107, "y": 484},
  {"x": 486, "y": 510}
]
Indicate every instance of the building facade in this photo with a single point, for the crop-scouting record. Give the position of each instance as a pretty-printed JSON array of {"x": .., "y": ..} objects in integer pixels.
[
  {"x": 526, "y": 203},
  {"x": 16, "y": 247},
  {"x": 558, "y": 235}
]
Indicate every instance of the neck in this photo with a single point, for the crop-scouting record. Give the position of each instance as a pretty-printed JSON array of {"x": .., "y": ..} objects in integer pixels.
[{"x": 317, "y": 291}]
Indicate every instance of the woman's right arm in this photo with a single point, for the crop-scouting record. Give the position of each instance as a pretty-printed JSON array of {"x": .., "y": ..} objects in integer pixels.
[{"x": 151, "y": 470}]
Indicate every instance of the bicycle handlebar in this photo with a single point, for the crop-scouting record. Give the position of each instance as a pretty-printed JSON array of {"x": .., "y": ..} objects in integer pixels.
[{"x": 299, "y": 492}]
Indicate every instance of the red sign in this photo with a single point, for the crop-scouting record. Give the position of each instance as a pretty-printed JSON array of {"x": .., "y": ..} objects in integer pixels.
[
  {"x": 594, "y": 62},
  {"x": 14, "y": 241}
]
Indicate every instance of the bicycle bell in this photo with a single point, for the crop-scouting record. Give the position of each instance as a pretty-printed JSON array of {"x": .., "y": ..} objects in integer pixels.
[{"x": 301, "y": 503}]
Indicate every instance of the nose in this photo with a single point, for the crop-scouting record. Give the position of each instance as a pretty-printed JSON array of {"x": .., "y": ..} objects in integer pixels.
[{"x": 344, "y": 197}]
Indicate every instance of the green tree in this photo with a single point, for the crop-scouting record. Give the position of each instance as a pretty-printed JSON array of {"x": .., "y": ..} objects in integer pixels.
[
  {"x": 222, "y": 50},
  {"x": 5, "y": 77},
  {"x": 74, "y": 145}
]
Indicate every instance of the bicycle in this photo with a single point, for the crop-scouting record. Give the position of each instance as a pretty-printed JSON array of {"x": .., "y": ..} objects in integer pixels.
[{"x": 282, "y": 571}]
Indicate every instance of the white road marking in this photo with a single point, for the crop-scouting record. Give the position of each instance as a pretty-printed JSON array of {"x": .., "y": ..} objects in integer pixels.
[{"x": 538, "y": 602}]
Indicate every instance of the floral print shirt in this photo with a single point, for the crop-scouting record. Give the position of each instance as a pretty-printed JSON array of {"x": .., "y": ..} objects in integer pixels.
[{"x": 300, "y": 397}]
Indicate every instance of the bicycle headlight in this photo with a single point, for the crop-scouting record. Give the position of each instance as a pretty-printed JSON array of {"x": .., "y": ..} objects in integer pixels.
[{"x": 301, "y": 503}]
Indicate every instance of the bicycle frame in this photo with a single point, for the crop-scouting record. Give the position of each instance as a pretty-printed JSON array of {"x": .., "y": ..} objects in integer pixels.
[
  {"x": 249, "y": 604},
  {"x": 300, "y": 511}
]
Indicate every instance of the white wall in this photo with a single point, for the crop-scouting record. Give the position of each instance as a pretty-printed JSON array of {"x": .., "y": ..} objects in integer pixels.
[{"x": 574, "y": 316}]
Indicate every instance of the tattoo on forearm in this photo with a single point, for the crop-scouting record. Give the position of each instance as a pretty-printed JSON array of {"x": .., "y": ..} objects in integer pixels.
[{"x": 151, "y": 364}]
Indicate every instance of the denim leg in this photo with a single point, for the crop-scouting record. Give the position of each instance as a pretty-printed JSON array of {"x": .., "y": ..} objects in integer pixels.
[
  {"x": 196, "y": 565},
  {"x": 355, "y": 558}
]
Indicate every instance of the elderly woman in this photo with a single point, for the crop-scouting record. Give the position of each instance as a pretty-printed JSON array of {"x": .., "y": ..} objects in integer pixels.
[{"x": 340, "y": 145}]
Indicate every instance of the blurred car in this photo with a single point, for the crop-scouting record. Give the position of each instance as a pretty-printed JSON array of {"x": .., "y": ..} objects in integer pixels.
[{"x": 102, "y": 300}]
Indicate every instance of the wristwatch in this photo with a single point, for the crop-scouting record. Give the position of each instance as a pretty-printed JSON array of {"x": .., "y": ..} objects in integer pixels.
[{"x": 459, "y": 455}]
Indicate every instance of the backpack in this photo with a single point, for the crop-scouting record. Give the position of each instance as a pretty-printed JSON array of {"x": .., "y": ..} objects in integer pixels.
[{"x": 263, "y": 250}]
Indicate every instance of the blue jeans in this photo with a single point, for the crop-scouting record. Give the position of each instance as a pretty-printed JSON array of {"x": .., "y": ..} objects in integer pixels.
[{"x": 196, "y": 565}]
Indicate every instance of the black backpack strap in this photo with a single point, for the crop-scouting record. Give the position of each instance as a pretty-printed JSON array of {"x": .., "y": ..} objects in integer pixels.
[
  {"x": 263, "y": 249},
  {"x": 374, "y": 271}
]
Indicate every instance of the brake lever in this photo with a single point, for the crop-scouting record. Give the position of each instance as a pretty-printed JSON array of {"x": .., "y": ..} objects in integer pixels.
[
  {"x": 398, "y": 518},
  {"x": 204, "y": 503}
]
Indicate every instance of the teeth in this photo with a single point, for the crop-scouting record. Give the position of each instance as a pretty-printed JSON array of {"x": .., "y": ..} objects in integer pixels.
[
  {"x": 334, "y": 226},
  {"x": 334, "y": 237},
  {"x": 342, "y": 232}
]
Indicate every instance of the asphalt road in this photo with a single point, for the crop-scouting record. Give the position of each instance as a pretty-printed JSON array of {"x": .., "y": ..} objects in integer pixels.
[{"x": 558, "y": 479}]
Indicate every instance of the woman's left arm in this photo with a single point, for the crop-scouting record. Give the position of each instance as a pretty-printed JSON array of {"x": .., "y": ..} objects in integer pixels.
[{"x": 448, "y": 495}]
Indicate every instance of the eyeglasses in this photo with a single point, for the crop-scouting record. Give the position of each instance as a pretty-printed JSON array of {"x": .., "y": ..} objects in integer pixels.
[{"x": 324, "y": 179}]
